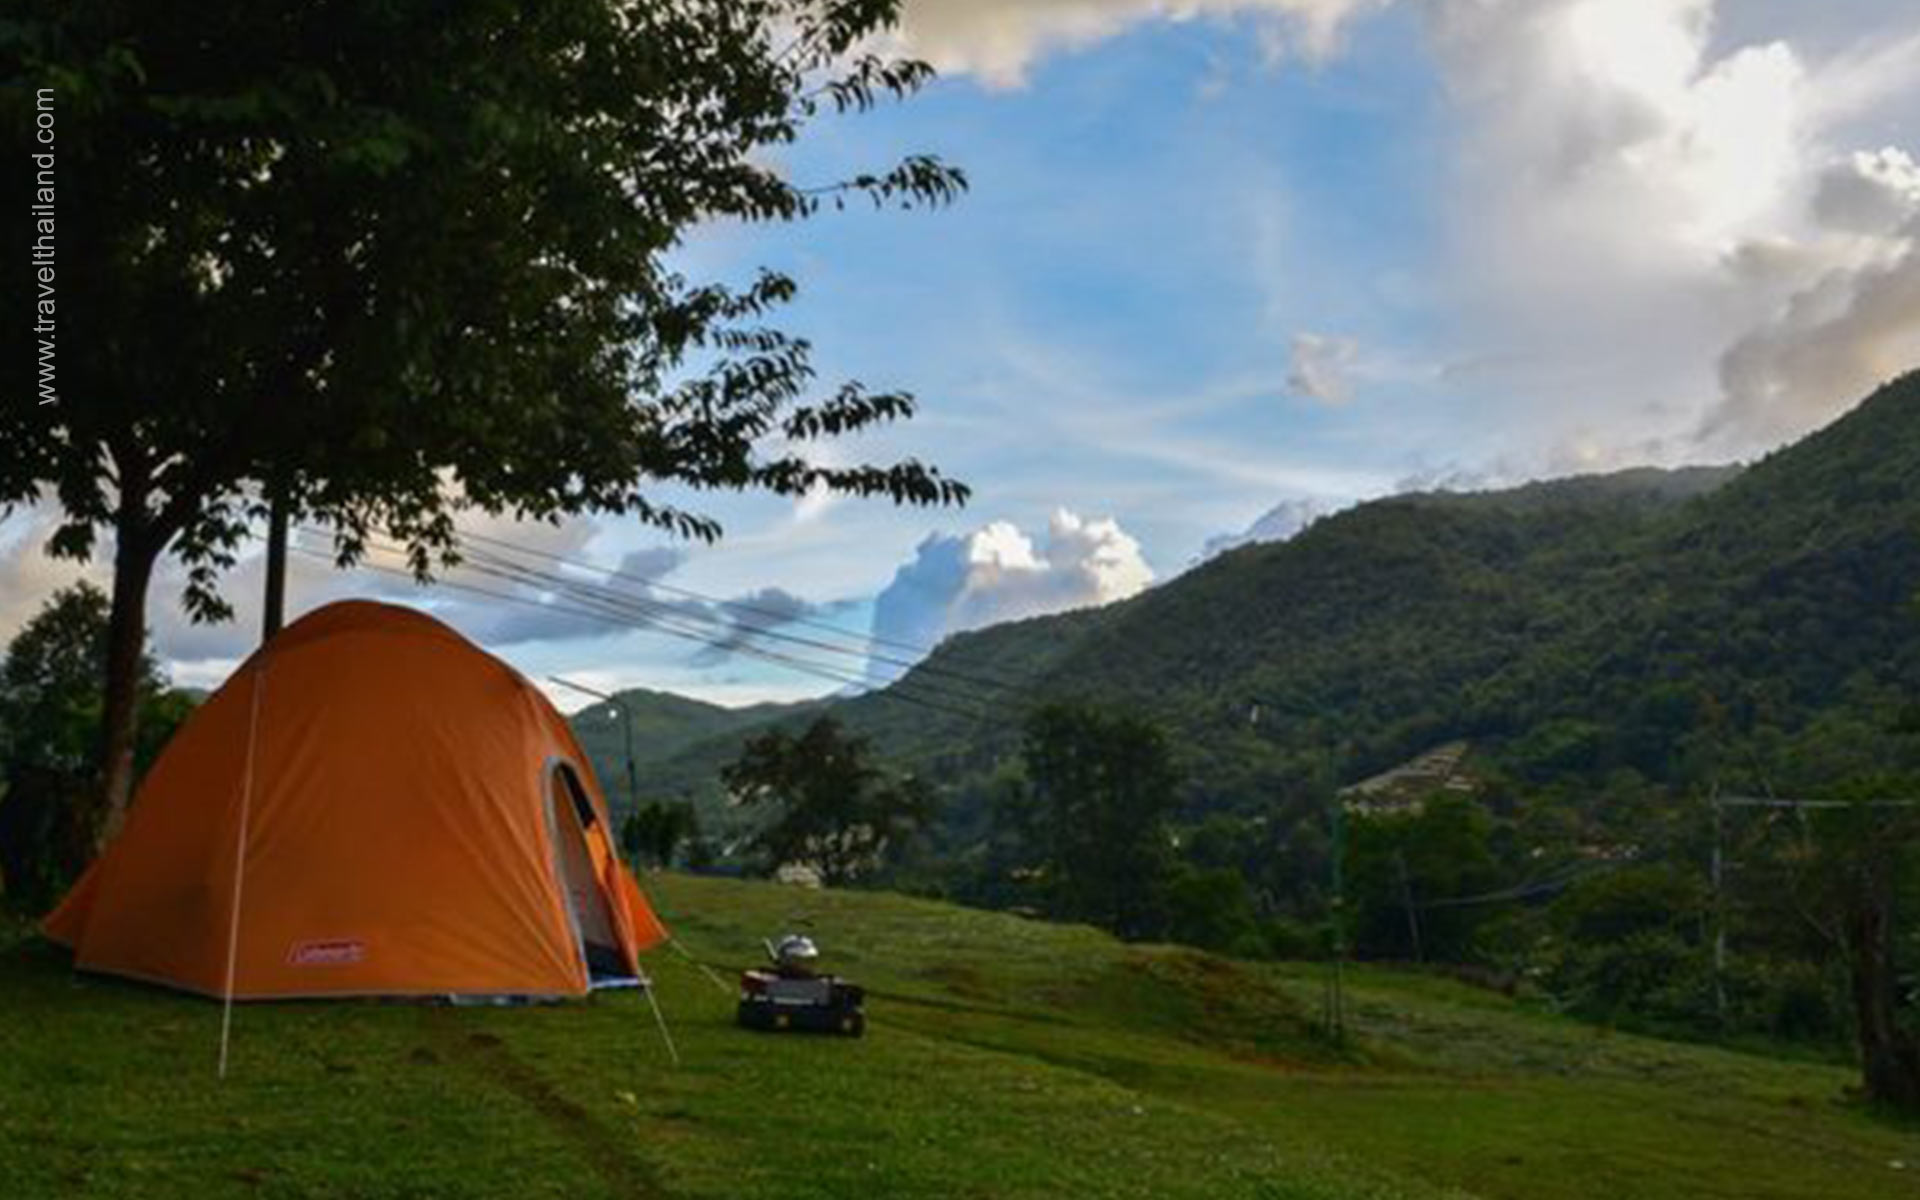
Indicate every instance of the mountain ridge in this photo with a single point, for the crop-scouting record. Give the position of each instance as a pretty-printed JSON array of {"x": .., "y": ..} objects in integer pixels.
[{"x": 1581, "y": 625}]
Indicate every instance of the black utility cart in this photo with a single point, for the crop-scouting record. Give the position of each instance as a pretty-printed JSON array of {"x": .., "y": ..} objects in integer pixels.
[{"x": 790, "y": 996}]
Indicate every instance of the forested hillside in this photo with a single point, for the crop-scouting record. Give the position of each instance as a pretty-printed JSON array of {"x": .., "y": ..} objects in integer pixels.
[
  {"x": 1667, "y": 623},
  {"x": 1602, "y": 655},
  {"x": 664, "y": 724}
]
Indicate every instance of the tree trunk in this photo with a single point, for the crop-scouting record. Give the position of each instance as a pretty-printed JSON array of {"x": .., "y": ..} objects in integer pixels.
[
  {"x": 135, "y": 552},
  {"x": 274, "y": 606},
  {"x": 1889, "y": 1056}
]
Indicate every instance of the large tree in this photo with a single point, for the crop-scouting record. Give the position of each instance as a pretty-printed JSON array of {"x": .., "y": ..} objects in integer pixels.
[
  {"x": 382, "y": 260},
  {"x": 1857, "y": 874},
  {"x": 828, "y": 804},
  {"x": 1102, "y": 786}
]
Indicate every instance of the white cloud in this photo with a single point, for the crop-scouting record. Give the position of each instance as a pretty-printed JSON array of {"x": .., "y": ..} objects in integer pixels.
[
  {"x": 1321, "y": 367},
  {"x": 1835, "y": 341},
  {"x": 518, "y": 614},
  {"x": 193, "y": 650},
  {"x": 1278, "y": 524},
  {"x": 1673, "y": 234},
  {"x": 1662, "y": 228},
  {"x": 28, "y": 575},
  {"x": 1871, "y": 192},
  {"x": 997, "y": 573},
  {"x": 999, "y": 40},
  {"x": 1601, "y": 128}
]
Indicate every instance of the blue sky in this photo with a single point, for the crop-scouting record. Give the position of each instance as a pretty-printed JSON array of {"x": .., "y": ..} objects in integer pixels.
[{"x": 1282, "y": 253}]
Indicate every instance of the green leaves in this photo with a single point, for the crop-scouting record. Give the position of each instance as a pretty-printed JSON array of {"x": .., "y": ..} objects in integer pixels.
[
  {"x": 869, "y": 80},
  {"x": 831, "y": 807},
  {"x": 405, "y": 258},
  {"x": 50, "y": 716},
  {"x": 1102, "y": 786}
]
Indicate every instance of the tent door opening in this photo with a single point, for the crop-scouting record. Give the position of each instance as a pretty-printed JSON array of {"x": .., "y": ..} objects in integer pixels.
[{"x": 577, "y": 834}]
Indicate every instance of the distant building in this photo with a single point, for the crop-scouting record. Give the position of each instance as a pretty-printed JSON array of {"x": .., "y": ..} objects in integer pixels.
[
  {"x": 1404, "y": 789},
  {"x": 797, "y": 874}
]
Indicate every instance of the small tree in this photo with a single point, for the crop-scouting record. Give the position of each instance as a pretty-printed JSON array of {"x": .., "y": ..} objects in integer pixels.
[
  {"x": 1212, "y": 908},
  {"x": 833, "y": 808},
  {"x": 1397, "y": 862},
  {"x": 1102, "y": 786},
  {"x": 49, "y": 728},
  {"x": 653, "y": 832}
]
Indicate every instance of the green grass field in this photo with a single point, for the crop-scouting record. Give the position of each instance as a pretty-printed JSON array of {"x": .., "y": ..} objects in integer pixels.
[{"x": 1005, "y": 1058}]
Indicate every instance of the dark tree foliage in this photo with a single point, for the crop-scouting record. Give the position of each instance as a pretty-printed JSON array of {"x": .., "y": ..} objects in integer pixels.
[
  {"x": 49, "y": 731},
  {"x": 385, "y": 259},
  {"x": 1101, "y": 787},
  {"x": 832, "y": 807},
  {"x": 1212, "y": 908},
  {"x": 1618, "y": 650},
  {"x": 1859, "y": 881},
  {"x": 1677, "y": 626},
  {"x": 653, "y": 833},
  {"x": 1629, "y": 946},
  {"x": 1409, "y": 874}
]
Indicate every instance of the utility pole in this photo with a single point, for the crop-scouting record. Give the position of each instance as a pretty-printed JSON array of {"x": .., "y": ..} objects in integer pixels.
[
  {"x": 1334, "y": 1014},
  {"x": 1406, "y": 899},
  {"x": 1718, "y": 864},
  {"x": 1337, "y": 992},
  {"x": 1719, "y": 909},
  {"x": 626, "y": 726}
]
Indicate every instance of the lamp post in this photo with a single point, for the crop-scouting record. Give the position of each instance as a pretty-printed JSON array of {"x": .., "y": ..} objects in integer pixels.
[
  {"x": 1334, "y": 1014},
  {"x": 626, "y": 725}
]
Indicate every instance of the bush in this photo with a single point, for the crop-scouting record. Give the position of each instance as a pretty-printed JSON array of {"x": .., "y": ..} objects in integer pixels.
[
  {"x": 39, "y": 836},
  {"x": 1213, "y": 909},
  {"x": 1292, "y": 938},
  {"x": 1653, "y": 978}
]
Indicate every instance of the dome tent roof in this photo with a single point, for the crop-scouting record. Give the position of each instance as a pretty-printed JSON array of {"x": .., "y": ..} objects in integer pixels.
[{"x": 395, "y": 811}]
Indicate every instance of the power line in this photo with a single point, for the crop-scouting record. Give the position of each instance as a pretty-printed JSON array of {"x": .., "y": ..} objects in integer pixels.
[
  {"x": 1775, "y": 802},
  {"x": 657, "y": 614},
  {"x": 604, "y": 617},
  {"x": 608, "y": 614},
  {"x": 733, "y": 626},
  {"x": 746, "y": 607},
  {"x": 547, "y": 578},
  {"x": 620, "y": 611},
  {"x": 1556, "y": 882}
]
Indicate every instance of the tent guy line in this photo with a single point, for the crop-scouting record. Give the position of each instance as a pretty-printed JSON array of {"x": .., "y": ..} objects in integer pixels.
[{"x": 257, "y": 693}]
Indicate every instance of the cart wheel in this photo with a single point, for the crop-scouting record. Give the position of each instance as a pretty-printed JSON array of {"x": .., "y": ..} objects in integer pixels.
[
  {"x": 853, "y": 1024},
  {"x": 782, "y": 1021}
]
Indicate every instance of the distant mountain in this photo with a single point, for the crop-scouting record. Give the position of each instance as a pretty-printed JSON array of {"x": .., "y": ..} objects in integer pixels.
[
  {"x": 1277, "y": 524},
  {"x": 664, "y": 725},
  {"x": 1648, "y": 621}
]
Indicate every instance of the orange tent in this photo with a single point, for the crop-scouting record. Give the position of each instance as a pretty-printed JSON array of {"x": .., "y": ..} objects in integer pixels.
[{"x": 371, "y": 805}]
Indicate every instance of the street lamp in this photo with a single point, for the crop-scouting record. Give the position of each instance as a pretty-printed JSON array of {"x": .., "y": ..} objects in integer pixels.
[
  {"x": 626, "y": 725},
  {"x": 1335, "y": 1014}
]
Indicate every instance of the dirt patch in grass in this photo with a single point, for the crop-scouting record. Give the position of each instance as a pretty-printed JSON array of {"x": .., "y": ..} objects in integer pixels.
[{"x": 610, "y": 1153}]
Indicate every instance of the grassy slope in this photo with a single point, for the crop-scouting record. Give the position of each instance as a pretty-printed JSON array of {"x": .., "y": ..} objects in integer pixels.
[{"x": 1006, "y": 1058}]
